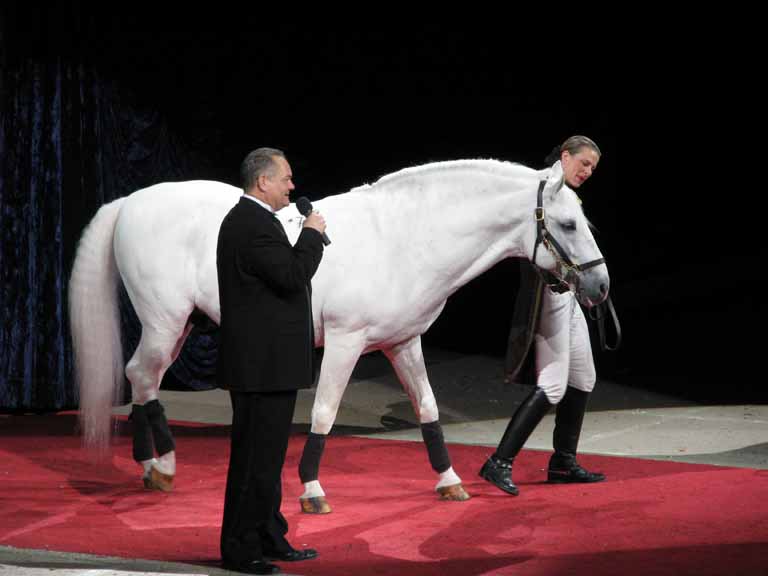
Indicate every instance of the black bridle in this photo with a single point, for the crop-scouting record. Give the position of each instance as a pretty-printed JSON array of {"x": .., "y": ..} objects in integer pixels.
[
  {"x": 567, "y": 272},
  {"x": 544, "y": 237}
]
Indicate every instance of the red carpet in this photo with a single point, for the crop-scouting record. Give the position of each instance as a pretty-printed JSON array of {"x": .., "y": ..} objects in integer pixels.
[{"x": 649, "y": 518}]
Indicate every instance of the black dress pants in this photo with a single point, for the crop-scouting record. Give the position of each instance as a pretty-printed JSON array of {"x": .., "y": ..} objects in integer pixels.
[{"x": 252, "y": 524}]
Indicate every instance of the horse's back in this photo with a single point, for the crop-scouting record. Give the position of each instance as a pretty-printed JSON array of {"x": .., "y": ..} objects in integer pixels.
[{"x": 166, "y": 209}]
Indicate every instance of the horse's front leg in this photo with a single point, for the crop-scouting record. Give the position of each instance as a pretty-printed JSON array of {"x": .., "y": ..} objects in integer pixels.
[
  {"x": 408, "y": 360},
  {"x": 341, "y": 353}
]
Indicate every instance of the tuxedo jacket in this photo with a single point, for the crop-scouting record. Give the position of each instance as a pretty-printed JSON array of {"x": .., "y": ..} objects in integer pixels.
[{"x": 266, "y": 338}]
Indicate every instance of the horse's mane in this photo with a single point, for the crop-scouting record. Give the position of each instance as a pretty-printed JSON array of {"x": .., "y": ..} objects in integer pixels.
[{"x": 486, "y": 165}]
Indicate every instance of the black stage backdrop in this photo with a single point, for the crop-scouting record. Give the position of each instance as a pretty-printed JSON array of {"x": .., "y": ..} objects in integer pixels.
[{"x": 94, "y": 105}]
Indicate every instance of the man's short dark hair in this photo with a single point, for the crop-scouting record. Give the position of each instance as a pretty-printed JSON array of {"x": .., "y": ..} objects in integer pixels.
[{"x": 260, "y": 161}]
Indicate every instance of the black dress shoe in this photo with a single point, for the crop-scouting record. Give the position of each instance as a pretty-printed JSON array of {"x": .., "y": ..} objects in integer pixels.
[
  {"x": 575, "y": 474},
  {"x": 291, "y": 555},
  {"x": 253, "y": 567},
  {"x": 498, "y": 471}
]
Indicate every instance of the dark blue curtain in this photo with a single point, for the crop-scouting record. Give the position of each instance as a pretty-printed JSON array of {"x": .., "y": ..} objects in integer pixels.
[{"x": 69, "y": 142}]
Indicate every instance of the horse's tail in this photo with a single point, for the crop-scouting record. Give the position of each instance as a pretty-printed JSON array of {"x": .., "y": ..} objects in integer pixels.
[{"x": 94, "y": 319}]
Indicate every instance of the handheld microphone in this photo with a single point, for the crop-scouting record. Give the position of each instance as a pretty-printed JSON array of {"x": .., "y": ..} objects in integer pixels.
[{"x": 304, "y": 206}]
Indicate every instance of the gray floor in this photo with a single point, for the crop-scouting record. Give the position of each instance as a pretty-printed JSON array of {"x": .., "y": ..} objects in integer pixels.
[{"x": 475, "y": 406}]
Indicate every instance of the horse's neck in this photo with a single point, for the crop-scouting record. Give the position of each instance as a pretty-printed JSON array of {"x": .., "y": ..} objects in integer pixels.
[{"x": 470, "y": 218}]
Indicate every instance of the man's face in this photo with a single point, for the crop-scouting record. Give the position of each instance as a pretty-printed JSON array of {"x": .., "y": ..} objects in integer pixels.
[
  {"x": 578, "y": 167},
  {"x": 277, "y": 184}
]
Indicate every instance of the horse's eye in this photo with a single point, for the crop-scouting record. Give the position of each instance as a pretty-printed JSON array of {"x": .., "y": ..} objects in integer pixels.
[{"x": 569, "y": 225}]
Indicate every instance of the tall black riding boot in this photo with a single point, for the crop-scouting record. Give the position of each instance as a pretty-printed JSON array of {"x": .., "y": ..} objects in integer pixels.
[
  {"x": 498, "y": 468},
  {"x": 563, "y": 468}
]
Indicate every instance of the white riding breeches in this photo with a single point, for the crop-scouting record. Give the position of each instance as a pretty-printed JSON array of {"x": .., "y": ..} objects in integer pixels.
[{"x": 563, "y": 350}]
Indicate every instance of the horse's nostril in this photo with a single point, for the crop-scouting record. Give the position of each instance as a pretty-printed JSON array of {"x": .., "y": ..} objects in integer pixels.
[{"x": 603, "y": 289}]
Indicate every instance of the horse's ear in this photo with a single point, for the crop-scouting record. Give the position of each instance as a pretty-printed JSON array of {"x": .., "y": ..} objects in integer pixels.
[{"x": 555, "y": 178}]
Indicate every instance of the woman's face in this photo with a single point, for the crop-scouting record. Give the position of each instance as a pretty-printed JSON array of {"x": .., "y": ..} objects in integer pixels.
[{"x": 578, "y": 167}]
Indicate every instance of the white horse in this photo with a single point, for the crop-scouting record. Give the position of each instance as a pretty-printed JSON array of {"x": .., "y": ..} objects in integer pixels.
[{"x": 400, "y": 248}]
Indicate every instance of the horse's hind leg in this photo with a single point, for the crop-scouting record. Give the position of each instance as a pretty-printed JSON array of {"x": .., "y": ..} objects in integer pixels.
[
  {"x": 155, "y": 353},
  {"x": 339, "y": 359},
  {"x": 408, "y": 361}
]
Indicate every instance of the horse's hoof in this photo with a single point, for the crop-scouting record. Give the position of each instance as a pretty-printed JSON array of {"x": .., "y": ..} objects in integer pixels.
[
  {"x": 315, "y": 505},
  {"x": 454, "y": 492},
  {"x": 156, "y": 480}
]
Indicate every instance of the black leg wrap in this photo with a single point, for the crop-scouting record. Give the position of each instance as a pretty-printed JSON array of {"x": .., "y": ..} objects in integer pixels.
[
  {"x": 161, "y": 433},
  {"x": 432, "y": 433},
  {"x": 309, "y": 466},
  {"x": 143, "y": 447}
]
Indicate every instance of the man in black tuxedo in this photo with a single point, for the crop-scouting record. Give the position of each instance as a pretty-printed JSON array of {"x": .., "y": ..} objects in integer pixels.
[{"x": 266, "y": 346}]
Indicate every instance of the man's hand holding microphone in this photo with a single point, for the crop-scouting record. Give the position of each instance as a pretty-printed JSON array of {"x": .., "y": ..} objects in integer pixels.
[{"x": 312, "y": 219}]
